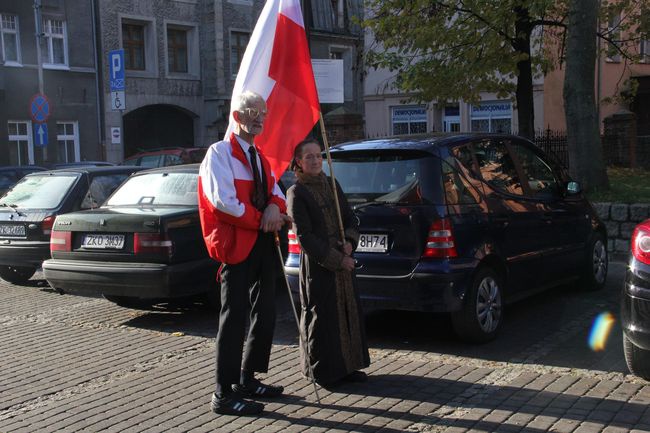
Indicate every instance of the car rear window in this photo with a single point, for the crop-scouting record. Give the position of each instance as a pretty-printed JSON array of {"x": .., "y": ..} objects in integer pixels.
[
  {"x": 40, "y": 191},
  {"x": 160, "y": 188},
  {"x": 404, "y": 177}
]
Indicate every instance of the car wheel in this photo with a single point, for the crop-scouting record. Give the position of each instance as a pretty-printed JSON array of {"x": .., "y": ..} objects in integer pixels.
[
  {"x": 481, "y": 316},
  {"x": 16, "y": 274},
  {"x": 595, "y": 271},
  {"x": 129, "y": 302},
  {"x": 637, "y": 359}
]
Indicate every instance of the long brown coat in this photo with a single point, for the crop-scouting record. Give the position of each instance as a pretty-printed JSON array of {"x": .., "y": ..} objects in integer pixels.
[{"x": 331, "y": 315}]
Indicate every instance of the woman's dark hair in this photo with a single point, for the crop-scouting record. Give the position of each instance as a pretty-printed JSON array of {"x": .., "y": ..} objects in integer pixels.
[{"x": 297, "y": 152}]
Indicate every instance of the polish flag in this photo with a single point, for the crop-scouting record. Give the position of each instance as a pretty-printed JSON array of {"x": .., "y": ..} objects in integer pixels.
[{"x": 277, "y": 66}]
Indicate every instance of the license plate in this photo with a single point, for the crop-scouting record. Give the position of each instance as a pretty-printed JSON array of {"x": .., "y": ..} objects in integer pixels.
[
  {"x": 103, "y": 242},
  {"x": 372, "y": 243},
  {"x": 12, "y": 230}
]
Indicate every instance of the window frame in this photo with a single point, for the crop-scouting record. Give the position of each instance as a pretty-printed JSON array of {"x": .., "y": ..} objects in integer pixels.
[
  {"x": 241, "y": 50},
  {"x": 644, "y": 51},
  {"x": 150, "y": 45},
  {"x": 16, "y": 32},
  {"x": 48, "y": 40},
  {"x": 17, "y": 138},
  {"x": 67, "y": 137},
  {"x": 191, "y": 47},
  {"x": 490, "y": 117}
]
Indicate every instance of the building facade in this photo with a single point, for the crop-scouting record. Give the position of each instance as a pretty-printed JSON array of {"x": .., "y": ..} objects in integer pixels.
[{"x": 63, "y": 124}]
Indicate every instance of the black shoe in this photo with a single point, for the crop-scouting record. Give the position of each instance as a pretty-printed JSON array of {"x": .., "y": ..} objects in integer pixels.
[
  {"x": 233, "y": 404},
  {"x": 356, "y": 376},
  {"x": 255, "y": 388}
]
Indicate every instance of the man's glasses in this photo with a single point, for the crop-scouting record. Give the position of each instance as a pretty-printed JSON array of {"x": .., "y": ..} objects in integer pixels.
[{"x": 253, "y": 113}]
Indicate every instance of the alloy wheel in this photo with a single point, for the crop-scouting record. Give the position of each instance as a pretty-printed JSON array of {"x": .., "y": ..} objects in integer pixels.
[
  {"x": 488, "y": 304},
  {"x": 599, "y": 261}
]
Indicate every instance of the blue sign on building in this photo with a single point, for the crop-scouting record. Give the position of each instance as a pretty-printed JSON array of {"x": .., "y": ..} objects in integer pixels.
[
  {"x": 40, "y": 134},
  {"x": 116, "y": 69}
]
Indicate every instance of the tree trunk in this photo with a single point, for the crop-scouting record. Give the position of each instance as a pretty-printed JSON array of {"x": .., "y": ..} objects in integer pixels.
[
  {"x": 583, "y": 133},
  {"x": 524, "y": 92}
]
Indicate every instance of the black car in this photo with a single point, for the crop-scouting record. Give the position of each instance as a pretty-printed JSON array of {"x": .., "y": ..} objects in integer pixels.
[
  {"x": 11, "y": 174},
  {"x": 142, "y": 246},
  {"x": 635, "y": 303},
  {"x": 463, "y": 224},
  {"x": 60, "y": 165},
  {"x": 28, "y": 210}
]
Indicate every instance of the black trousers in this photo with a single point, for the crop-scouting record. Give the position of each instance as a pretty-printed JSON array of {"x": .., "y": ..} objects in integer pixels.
[{"x": 246, "y": 287}]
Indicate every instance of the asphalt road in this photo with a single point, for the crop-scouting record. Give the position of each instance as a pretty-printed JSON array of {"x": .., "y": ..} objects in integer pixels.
[{"x": 70, "y": 363}]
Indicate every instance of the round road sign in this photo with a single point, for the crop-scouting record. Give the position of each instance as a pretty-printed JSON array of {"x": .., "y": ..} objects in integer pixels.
[{"x": 39, "y": 108}]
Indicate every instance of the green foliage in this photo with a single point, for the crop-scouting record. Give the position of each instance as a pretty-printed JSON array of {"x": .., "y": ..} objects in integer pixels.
[
  {"x": 449, "y": 50},
  {"x": 626, "y": 185}
]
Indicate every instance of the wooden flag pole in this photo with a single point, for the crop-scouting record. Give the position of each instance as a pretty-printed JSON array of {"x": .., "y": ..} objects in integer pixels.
[{"x": 334, "y": 189}]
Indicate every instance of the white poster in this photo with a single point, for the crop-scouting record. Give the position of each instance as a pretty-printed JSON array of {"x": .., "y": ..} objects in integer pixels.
[
  {"x": 116, "y": 135},
  {"x": 328, "y": 74}
]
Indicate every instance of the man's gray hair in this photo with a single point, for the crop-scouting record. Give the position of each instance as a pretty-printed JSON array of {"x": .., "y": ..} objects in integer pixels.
[{"x": 245, "y": 100}]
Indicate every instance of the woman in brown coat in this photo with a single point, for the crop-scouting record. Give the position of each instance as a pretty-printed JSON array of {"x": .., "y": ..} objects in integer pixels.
[{"x": 331, "y": 316}]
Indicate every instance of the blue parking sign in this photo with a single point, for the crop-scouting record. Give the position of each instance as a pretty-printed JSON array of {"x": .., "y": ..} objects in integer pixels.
[
  {"x": 40, "y": 134},
  {"x": 116, "y": 70}
]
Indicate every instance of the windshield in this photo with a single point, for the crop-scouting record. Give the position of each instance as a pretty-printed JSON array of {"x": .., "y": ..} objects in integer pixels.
[
  {"x": 40, "y": 192},
  {"x": 166, "y": 189},
  {"x": 388, "y": 177}
]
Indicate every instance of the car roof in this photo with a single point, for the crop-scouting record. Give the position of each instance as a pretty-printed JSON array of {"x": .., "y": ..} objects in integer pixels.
[
  {"x": 21, "y": 167},
  {"x": 164, "y": 151},
  {"x": 423, "y": 142},
  {"x": 81, "y": 164},
  {"x": 180, "y": 168},
  {"x": 108, "y": 169}
]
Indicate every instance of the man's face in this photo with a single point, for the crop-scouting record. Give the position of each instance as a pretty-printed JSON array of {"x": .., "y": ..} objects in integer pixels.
[{"x": 251, "y": 118}]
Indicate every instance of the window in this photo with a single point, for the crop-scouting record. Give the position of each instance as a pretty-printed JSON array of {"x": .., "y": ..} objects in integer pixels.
[
  {"x": 67, "y": 139},
  {"x": 238, "y": 43},
  {"x": 538, "y": 174},
  {"x": 345, "y": 54},
  {"x": 133, "y": 44},
  {"x": 177, "y": 50},
  {"x": 55, "y": 43},
  {"x": 497, "y": 168},
  {"x": 451, "y": 119},
  {"x": 21, "y": 151},
  {"x": 338, "y": 16},
  {"x": 409, "y": 120},
  {"x": 492, "y": 116},
  {"x": 614, "y": 33},
  {"x": 644, "y": 51},
  {"x": 9, "y": 41},
  {"x": 100, "y": 188}
]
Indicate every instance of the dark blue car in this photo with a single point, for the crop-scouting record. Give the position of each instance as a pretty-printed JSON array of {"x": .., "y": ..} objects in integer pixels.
[
  {"x": 463, "y": 224},
  {"x": 635, "y": 303}
]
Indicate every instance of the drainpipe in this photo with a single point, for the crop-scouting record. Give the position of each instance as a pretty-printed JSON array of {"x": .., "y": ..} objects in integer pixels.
[
  {"x": 598, "y": 70},
  {"x": 98, "y": 81}
]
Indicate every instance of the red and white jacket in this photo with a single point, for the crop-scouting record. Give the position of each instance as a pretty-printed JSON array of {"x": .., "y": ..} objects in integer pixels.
[{"x": 229, "y": 221}]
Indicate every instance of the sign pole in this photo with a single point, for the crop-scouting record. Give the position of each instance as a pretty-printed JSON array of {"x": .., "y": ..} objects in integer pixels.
[{"x": 38, "y": 21}]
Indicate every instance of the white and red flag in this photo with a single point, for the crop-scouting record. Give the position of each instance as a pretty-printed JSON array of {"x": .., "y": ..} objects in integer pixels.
[{"x": 277, "y": 66}]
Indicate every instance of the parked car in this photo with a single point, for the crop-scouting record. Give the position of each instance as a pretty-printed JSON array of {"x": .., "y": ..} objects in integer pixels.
[
  {"x": 463, "y": 224},
  {"x": 635, "y": 303},
  {"x": 28, "y": 210},
  {"x": 60, "y": 165},
  {"x": 9, "y": 175},
  {"x": 142, "y": 246},
  {"x": 167, "y": 156}
]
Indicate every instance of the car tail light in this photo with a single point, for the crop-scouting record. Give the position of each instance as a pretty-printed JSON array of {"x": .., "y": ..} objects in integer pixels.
[
  {"x": 60, "y": 241},
  {"x": 152, "y": 243},
  {"x": 294, "y": 245},
  {"x": 640, "y": 243},
  {"x": 440, "y": 240},
  {"x": 47, "y": 224}
]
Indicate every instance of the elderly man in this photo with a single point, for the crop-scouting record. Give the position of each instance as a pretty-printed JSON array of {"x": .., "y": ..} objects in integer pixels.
[{"x": 241, "y": 207}]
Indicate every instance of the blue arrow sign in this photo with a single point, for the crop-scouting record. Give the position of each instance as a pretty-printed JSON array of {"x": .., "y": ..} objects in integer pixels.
[
  {"x": 116, "y": 69},
  {"x": 40, "y": 134}
]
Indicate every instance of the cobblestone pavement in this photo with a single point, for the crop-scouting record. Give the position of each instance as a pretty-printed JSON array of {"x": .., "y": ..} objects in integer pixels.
[{"x": 69, "y": 363}]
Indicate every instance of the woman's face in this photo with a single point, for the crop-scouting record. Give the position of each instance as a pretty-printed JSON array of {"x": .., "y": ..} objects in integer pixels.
[{"x": 311, "y": 160}]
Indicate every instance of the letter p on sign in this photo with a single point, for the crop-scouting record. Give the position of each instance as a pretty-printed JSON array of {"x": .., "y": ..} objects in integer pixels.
[{"x": 116, "y": 70}]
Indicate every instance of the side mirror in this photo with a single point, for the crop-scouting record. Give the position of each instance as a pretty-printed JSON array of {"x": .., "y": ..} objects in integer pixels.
[{"x": 573, "y": 188}]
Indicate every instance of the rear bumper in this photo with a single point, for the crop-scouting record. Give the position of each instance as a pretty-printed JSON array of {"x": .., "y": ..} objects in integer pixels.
[
  {"x": 23, "y": 253},
  {"x": 635, "y": 304},
  {"x": 137, "y": 280},
  {"x": 428, "y": 288}
]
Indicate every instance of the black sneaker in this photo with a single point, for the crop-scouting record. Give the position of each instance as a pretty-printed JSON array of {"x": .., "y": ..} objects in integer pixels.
[
  {"x": 255, "y": 388},
  {"x": 233, "y": 404},
  {"x": 356, "y": 376}
]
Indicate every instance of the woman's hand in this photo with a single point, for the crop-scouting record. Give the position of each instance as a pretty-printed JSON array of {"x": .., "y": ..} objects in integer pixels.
[
  {"x": 347, "y": 264},
  {"x": 347, "y": 249}
]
